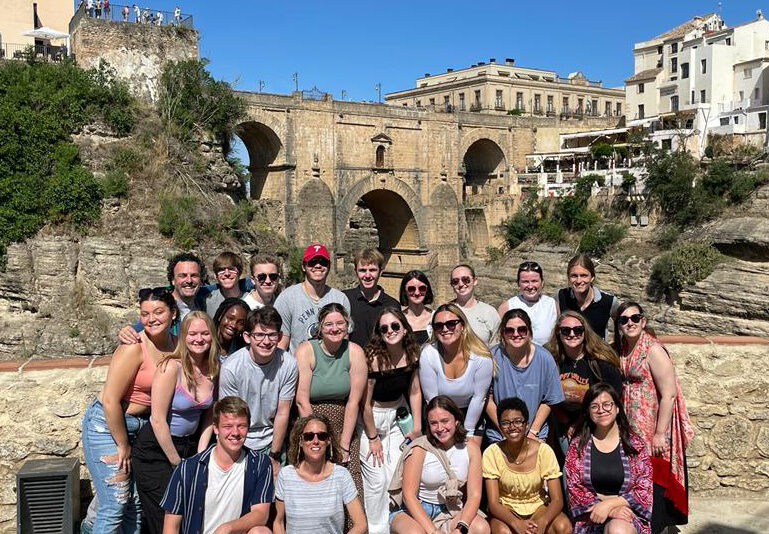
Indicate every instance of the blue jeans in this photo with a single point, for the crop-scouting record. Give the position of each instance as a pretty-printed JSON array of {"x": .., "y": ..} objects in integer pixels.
[
  {"x": 118, "y": 509},
  {"x": 432, "y": 510}
]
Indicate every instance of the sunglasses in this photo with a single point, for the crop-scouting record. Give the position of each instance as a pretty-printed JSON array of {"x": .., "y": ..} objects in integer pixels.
[
  {"x": 519, "y": 330},
  {"x": 261, "y": 277},
  {"x": 464, "y": 279},
  {"x": 309, "y": 436},
  {"x": 448, "y": 325},
  {"x": 314, "y": 262},
  {"x": 569, "y": 331},
  {"x": 416, "y": 290},
  {"x": 383, "y": 328},
  {"x": 625, "y": 319},
  {"x": 157, "y": 292}
]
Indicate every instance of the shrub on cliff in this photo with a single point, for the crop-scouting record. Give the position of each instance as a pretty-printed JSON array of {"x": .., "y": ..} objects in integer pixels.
[
  {"x": 191, "y": 98},
  {"x": 685, "y": 265},
  {"x": 41, "y": 177}
]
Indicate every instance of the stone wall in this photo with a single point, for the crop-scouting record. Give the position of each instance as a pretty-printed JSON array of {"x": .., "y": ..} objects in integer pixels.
[
  {"x": 725, "y": 382},
  {"x": 136, "y": 51}
]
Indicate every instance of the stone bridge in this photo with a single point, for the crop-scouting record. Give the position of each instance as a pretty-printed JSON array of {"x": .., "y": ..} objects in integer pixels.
[{"x": 424, "y": 187}]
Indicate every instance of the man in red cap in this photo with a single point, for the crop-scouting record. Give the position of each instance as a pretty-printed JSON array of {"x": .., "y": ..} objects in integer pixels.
[{"x": 298, "y": 305}]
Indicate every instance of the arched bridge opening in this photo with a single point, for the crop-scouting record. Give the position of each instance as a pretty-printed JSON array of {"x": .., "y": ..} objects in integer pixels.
[
  {"x": 483, "y": 162},
  {"x": 263, "y": 146}
]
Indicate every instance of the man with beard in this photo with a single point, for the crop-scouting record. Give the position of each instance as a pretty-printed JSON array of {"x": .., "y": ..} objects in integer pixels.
[{"x": 226, "y": 488}]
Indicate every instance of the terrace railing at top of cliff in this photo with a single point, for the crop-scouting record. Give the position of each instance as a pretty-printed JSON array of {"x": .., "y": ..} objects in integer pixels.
[
  {"x": 134, "y": 14},
  {"x": 44, "y": 52}
]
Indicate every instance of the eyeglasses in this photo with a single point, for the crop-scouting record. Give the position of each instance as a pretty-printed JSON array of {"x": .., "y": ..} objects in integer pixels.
[
  {"x": 466, "y": 280},
  {"x": 569, "y": 331},
  {"x": 314, "y": 262},
  {"x": 448, "y": 325},
  {"x": 414, "y": 290},
  {"x": 512, "y": 422},
  {"x": 259, "y": 336},
  {"x": 602, "y": 406},
  {"x": 309, "y": 436},
  {"x": 157, "y": 292},
  {"x": 229, "y": 268},
  {"x": 338, "y": 324},
  {"x": 383, "y": 328},
  {"x": 262, "y": 277},
  {"x": 511, "y": 331},
  {"x": 624, "y": 319}
]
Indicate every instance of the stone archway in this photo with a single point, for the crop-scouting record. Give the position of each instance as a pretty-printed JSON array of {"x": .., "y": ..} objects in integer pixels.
[
  {"x": 477, "y": 230},
  {"x": 314, "y": 214},
  {"x": 484, "y": 160},
  {"x": 264, "y": 153}
]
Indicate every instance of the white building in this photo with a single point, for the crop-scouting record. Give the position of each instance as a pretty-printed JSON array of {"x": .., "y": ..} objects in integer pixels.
[{"x": 702, "y": 78}]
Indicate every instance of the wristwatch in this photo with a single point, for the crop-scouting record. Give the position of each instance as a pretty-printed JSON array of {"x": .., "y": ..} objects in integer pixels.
[
  {"x": 462, "y": 527},
  {"x": 275, "y": 455}
]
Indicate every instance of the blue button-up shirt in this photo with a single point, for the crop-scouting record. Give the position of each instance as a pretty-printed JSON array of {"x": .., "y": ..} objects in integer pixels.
[{"x": 186, "y": 491}]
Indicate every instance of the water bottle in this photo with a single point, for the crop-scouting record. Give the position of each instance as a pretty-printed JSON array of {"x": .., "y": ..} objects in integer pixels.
[{"x": 405, "y": 422}]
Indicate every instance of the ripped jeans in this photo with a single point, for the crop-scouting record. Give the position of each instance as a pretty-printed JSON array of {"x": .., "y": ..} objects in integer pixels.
[{"x": 118, "y": 509}]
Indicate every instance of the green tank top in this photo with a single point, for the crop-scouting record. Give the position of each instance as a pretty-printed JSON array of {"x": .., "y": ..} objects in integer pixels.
[{"x": 331, "y": 375}]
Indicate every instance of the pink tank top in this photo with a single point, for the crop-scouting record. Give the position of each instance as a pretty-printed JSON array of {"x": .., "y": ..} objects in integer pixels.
[{"x": 140, "y": 389}]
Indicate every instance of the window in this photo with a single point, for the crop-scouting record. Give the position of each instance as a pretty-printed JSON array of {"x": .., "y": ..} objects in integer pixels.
[
  {"x": 640, "y": 111},
  {"x": 461, "y": 102},
  {"x": 580, "y": 106},
  {"x": 519, "y": 100},
  {"x": 674, "y": 48},
  {"x": 724, "y": 121},
  {"x": 478, "y": 97},
  {"x": 747, "y": 73},
  {"x": 446, "y": 99},
  {"x": 640, "y": 88},
  {"x": 684, "y": 70},
  {"x": 742, "y": 95},
  {"x": 736, "y": 119},
  {"x": 674, "y": 65},
  {"x": 756, "y": 93},
  {"x": 618, "y": 109},
  {"x": 704, "y": 66},
  {"x": 537, "y": 102},
  {"x": 674, "y": 103},
  {"x": 762, "y": 121},
  {"x": 693, "y": 100},
  {"x": 380, "y": 156},
  {"x": 498, "y": 99},
  {"x": 419, "y": 103},
  {"x": 702, "y": 96},
  {"x": 728, "y": 41},
  {"x": 594, "y": 106},
  {"x": 659, "y": 49},
  {"x": 432, "y": 101},
  {"x": 565, "y": 103},
  {"x": 667, "y": 144},
  {"x": 550, "y": 103}
]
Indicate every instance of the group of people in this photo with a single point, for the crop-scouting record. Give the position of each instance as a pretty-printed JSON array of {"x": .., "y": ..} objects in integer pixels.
[
  {"x": 101, "y": 9},
  {"x": 242, "y": 406}
]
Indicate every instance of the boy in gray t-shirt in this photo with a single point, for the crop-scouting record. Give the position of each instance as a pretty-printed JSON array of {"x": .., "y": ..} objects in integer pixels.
[{"x": 265, "y": 377}]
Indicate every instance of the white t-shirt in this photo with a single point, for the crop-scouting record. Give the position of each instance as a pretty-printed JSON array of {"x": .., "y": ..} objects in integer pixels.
[
  {"x": 434, "y": 475},
  {"x": 252, "y": 302},
  {"x": 542, "y": 314},
  {"x": 484, "y": 320},
  {"x": 224, "y": 494}
]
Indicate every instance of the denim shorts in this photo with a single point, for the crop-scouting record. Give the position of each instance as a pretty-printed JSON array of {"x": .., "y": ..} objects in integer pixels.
[{"x": 432, "y": 510}]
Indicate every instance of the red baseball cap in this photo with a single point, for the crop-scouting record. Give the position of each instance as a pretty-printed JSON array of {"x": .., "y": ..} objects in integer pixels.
[{"x": 315, "y": 249}]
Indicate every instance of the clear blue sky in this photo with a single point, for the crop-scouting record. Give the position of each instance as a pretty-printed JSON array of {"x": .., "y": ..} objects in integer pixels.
[{"x": 346, "y": 45}]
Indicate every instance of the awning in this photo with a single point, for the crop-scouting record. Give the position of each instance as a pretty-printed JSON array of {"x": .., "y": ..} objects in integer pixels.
[{"x": 45, "y": 32}]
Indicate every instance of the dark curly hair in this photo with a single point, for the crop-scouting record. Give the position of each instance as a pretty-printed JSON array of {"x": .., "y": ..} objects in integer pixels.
[
  {"x": 185, "y": 256},
  {"x": 376, "y": 348},
  {"x": 333, "y": 449}
]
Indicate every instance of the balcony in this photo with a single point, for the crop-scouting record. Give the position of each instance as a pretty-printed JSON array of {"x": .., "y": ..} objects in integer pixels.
[
  {"x": 745, "y": 103},
  {"x": 43, "y": 52},
  {"x": 133, "y": 15}
]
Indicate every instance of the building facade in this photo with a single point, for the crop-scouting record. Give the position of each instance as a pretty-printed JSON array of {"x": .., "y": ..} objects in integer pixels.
[
  {"x": 19, "y": 16},
  {"x": 501, "y": 88},
  {"x": 700, "y": 78}
]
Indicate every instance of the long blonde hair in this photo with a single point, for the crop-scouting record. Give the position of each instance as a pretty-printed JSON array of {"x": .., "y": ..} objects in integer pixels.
[
  {"x": 593, "y": 346},
  {"x": 469, "y": 341},
  {"x": 182, "y": 353}
]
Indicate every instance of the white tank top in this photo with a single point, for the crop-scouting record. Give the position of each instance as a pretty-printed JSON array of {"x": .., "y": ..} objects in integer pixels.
[{"x": 434, "y": 475}]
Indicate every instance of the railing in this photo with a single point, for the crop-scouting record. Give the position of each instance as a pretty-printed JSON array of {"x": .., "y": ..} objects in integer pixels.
[
  {"x": 131, "y": 14},
  {"x": 29, "y": 51},
  {"x": 742, "y": 104}
]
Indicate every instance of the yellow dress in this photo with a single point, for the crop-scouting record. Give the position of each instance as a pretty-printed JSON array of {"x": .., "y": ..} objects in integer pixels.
[{"x": 522, "y": 492}]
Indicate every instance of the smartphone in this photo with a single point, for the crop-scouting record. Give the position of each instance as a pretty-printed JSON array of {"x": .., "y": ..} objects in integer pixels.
[{"x": 406, "y": 443}]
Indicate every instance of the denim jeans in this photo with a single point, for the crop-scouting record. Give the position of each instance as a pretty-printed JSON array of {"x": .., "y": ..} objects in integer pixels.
[
  {"x": 118, "y": 509},
  {"x": 432, "y": 510}
]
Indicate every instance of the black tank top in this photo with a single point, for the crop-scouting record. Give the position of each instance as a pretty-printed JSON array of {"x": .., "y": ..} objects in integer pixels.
[
  {"x": 392, "y": 384},
  {"x": 606, "y": 471},
  {"x": 596, "y": 313}
]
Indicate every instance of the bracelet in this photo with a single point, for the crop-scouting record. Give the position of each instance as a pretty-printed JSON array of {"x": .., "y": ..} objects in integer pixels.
[
  {"x": 532, "y": 431},
  {"x": 463, "y": 527},
  {"x": 376, "y": 436}
]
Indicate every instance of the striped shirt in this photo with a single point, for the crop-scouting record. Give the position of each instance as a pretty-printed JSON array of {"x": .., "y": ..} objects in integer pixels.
[{"x": 186, "y": 491}]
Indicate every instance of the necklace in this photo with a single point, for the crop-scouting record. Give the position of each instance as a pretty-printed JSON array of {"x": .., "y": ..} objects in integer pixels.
[{"x": 524, "y": 450}]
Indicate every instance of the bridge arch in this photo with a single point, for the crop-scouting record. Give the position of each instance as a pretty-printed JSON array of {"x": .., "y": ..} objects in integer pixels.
[
  {"x": 266, "y": 155},
  {"x": 396, "y": 213},
  {"x": 483, "y": 161}
]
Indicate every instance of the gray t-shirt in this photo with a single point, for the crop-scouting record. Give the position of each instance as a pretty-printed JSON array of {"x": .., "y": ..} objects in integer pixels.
[
  {"x": 213, "y": 300},
  {"x": 299, "y": 312},
  {"x": 262, "y": 387},
  {"x": 484, "y": 321},
  {"x": 315, "y": 507}
]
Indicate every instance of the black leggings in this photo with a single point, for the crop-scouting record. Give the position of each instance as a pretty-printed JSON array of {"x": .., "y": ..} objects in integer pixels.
[{"x": 152, "y": 471}]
